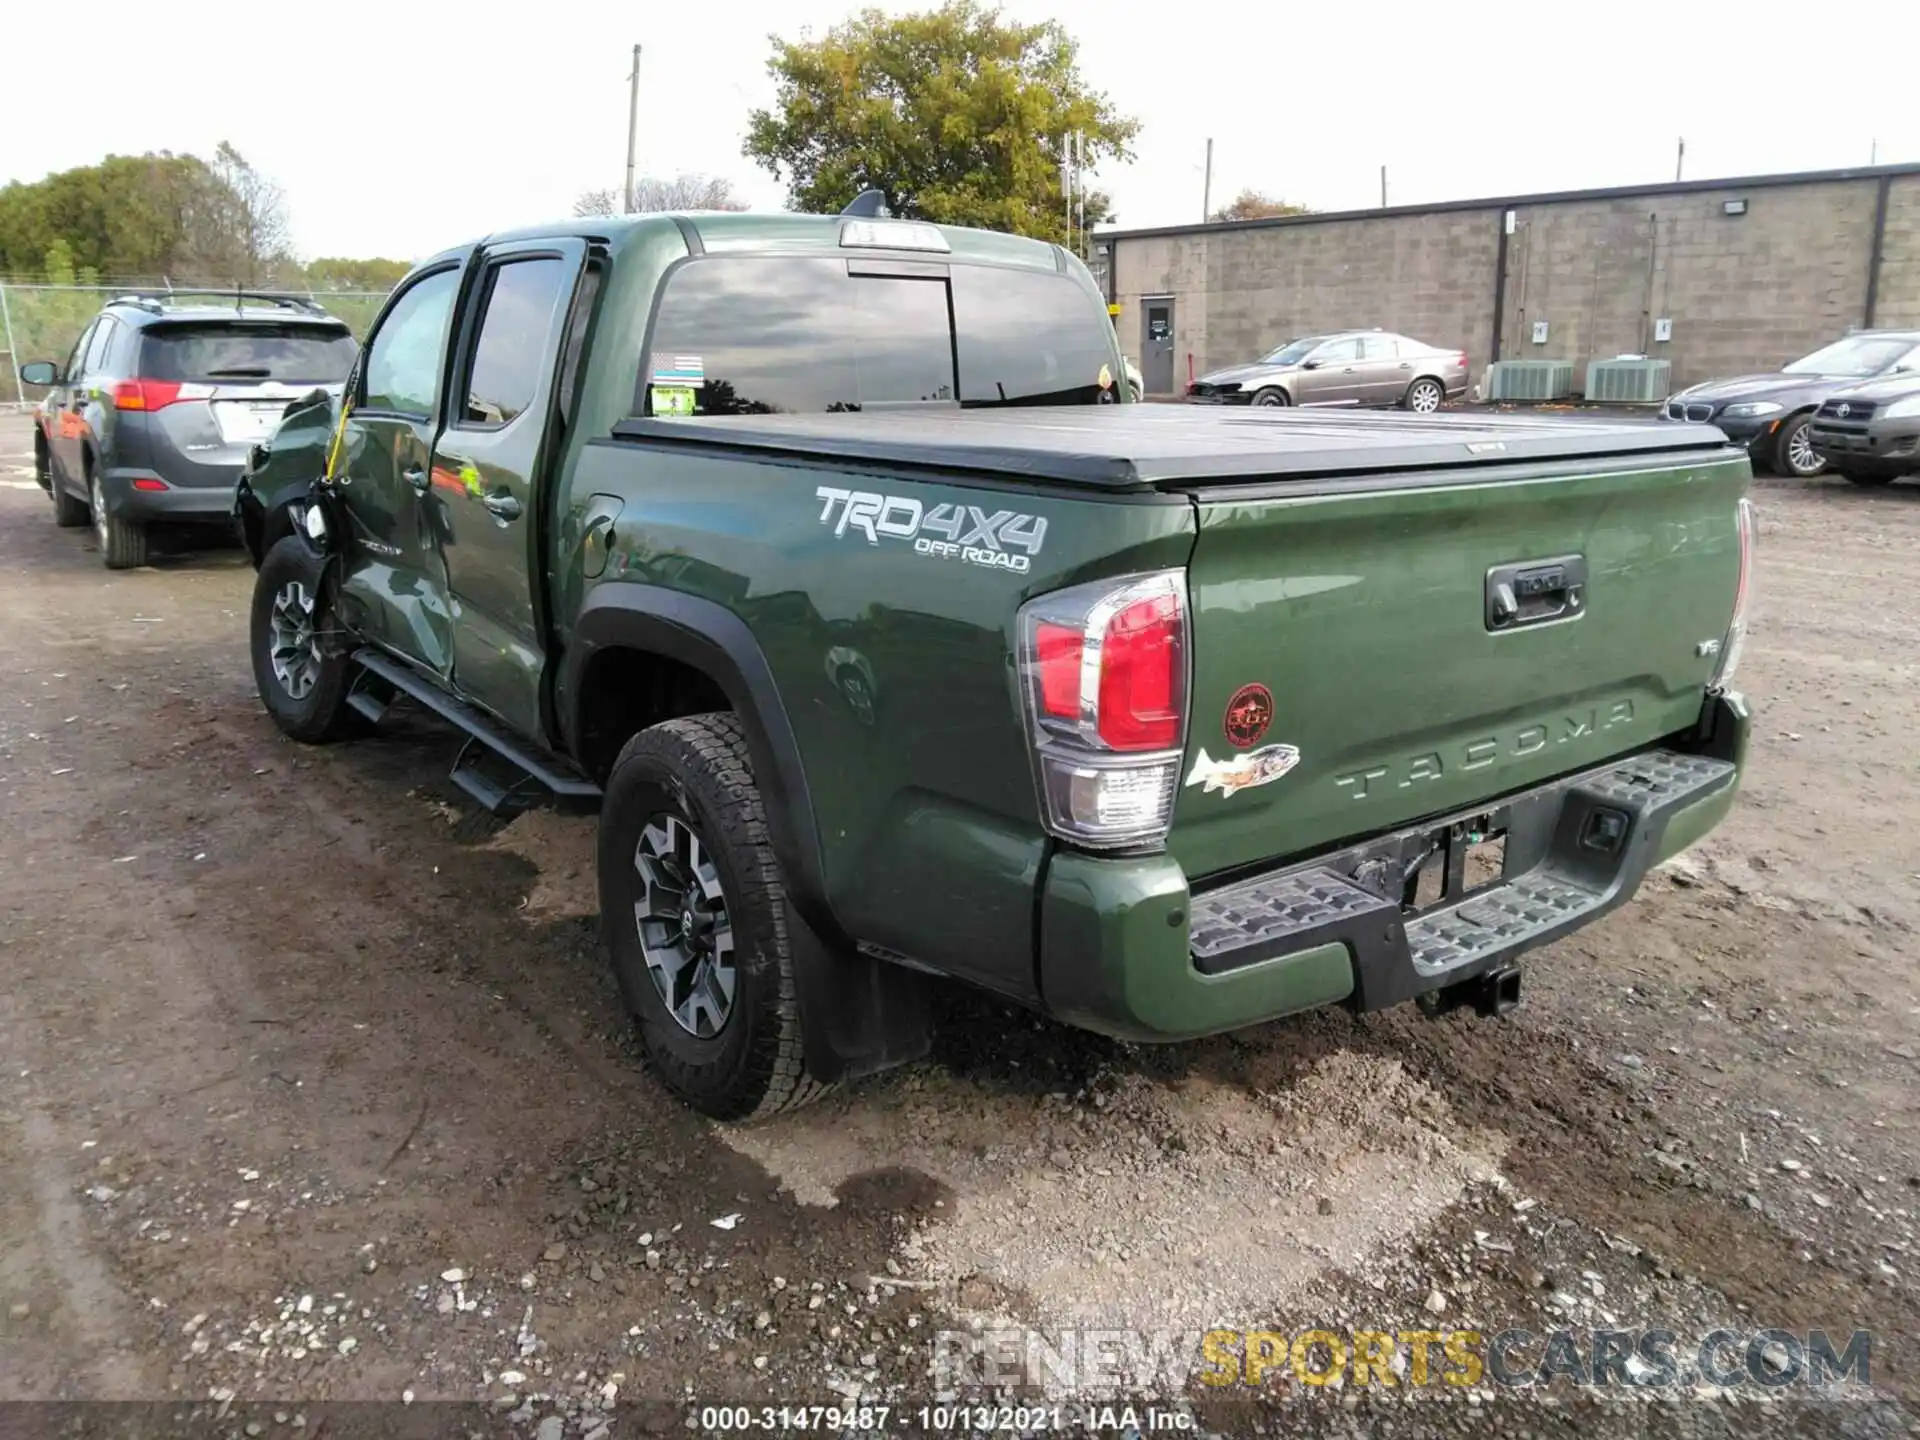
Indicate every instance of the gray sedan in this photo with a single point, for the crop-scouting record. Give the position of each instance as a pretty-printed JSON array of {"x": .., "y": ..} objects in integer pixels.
[{"x": 1348, "y": 367}]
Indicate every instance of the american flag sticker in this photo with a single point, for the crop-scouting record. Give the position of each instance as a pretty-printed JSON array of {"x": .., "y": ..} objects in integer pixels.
[{"x": 679, "y": 370}]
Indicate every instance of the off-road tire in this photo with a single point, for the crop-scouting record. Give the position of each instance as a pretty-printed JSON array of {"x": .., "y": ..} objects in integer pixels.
[
  {"x": 1271, "y": 396},
  {"x": 697, "y": 769},
  {"x": 322, "y": 714},
  {"x": 122, "y": 542}
]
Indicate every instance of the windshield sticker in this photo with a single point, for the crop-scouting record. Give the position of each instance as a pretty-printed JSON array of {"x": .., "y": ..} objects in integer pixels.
[
  {"x": 1242, "y": 772},
  {"x": 682, "y": 370},
  {"x": 673, "y": 400},
  {"x": 1002, "y": 540}
]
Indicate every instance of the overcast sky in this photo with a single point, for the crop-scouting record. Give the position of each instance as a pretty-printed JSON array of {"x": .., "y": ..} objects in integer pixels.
[{"x": 396, "y": 132}]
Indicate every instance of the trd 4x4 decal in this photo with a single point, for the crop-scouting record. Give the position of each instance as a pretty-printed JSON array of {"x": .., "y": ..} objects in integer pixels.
[{"x": 946, "y": 532}]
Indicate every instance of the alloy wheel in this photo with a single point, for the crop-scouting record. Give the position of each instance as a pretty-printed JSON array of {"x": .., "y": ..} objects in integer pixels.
[
  {"x": 97, "y": 503},
  {"x": 1801, "y": 456},
  {"x": 686, "y": 930},
  {"x": 296, "y": 648},
  {"x": 1425, "y": 398}
]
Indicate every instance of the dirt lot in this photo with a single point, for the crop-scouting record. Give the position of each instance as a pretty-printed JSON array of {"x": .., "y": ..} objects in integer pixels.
[{"x": 314, "y": 1087}]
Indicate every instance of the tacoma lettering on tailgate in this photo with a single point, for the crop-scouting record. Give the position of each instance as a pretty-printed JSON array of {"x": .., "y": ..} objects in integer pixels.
[{"x": 1569, "y": 728}]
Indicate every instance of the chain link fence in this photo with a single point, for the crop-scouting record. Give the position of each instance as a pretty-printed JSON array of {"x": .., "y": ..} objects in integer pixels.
[{"x": 42, "y": 322}]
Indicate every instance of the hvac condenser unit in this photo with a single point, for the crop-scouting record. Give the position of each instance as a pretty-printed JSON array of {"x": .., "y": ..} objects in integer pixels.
[
  {"x": 1530, "y": 380},
  {"x": 1629, "y": 380}
]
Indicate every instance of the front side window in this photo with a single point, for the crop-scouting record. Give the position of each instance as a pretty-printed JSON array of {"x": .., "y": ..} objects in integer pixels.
[
  {"x": 511, "y": 352},
  {"x": 765, "y": 334},
  {"x": 1338, "y": 352},
  {"x": 403, "y": 357}
]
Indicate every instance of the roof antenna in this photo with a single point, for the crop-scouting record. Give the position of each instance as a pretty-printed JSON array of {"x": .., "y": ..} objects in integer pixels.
[{"x": 869, "y": 205}]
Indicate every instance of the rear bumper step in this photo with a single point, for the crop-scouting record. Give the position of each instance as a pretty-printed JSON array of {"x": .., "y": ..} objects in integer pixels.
[{"x": 1573, "y": 850}]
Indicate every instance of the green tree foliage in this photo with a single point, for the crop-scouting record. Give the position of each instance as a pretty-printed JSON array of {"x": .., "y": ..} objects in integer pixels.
[
  {"x": 149, "y": 217},
  {"x": 1254, "y": 205},
  {"x": 338, "y": 273},
  {"x": 956, "y": 115}
]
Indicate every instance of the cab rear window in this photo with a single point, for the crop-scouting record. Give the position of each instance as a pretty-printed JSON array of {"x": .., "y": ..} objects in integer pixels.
[
  {"x": 745, "y": 335},
  {"x": 236, "y": 354}
]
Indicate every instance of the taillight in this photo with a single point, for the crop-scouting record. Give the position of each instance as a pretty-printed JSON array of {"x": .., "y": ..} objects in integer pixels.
[
  {"x": 155, "y": 394},
  {"x": 1736, "y": 640},
  {"x": 1103, "y": 674}
]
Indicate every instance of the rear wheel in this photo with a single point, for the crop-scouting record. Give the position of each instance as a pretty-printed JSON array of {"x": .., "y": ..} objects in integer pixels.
[
  {"x": 302, "y": 673},
  {"x": 1793, "y": 452},
  {"x": 1271, "y": 396},
  {"x": 696, "y": 920},
  {"x": 1424, "y": 396},
  {"x": 123, "y": 542}
]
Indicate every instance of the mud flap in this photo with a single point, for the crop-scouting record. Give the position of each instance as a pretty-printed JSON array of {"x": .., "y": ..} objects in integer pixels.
[{"x": 859, "y": 1014}]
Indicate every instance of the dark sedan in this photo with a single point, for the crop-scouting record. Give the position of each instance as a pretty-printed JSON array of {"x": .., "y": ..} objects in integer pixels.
[{"x": 1770, "y": 414}]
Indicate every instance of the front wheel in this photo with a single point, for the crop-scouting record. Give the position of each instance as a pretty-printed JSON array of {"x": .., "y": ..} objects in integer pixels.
[
  {"x": 301, "y": 671},
  {"x": 695, "y": 916},
  {"x": 1793, "y": 452},
  {"x": 1271, "y": 396},
  {"x": 1424, "y": 396}
]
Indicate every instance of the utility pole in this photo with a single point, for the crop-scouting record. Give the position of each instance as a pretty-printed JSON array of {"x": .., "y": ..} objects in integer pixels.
[
  {"x": 1873, "y": 152},
  {"x": 633, "y": 130},
  {"x": 1383, "y": 187},
  {"x": 1206, "y": 187},
  {"x": 1680, "y": 160}
]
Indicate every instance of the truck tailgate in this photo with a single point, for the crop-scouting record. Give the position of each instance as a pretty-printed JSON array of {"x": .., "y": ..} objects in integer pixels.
[{"x": 1426, "y": 645}]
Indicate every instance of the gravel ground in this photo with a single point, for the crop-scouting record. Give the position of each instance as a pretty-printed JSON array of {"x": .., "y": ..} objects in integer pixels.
[{"x": 314, "y": 1089}]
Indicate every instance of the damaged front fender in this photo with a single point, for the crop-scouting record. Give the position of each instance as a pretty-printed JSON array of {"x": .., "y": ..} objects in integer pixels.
[{"x": 281, "y": 479}]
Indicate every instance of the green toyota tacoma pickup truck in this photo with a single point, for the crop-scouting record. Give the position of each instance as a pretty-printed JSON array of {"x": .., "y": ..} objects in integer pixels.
[{"x": 828, "y": 560}]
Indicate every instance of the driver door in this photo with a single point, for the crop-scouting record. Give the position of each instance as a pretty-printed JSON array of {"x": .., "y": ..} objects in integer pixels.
[
  {"x": 393, "y": 583},
  {"x": 1334, "y": 378}
]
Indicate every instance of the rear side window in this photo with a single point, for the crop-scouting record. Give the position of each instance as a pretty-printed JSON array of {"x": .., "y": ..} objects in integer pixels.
[
  {"x": 512, "y": 349},
  {"x": 758, "y": 335},
  {"x": 1379, "y": 347},
  {"x": 96, "y": 357},
  {"x": 235, "y": 354}
]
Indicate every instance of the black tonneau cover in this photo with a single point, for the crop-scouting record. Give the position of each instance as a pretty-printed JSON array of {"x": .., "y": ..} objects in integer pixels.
[{"x": 1140, "y": 447}]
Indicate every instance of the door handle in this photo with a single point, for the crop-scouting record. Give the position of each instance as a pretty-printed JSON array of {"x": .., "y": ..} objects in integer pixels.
[
  {"x": 502, "y": 506},
  {"x": 417, "y": 478}
]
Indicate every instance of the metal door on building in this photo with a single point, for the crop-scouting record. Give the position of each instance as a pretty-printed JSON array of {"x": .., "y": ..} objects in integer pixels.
[{"x": 1156, "y": 346}]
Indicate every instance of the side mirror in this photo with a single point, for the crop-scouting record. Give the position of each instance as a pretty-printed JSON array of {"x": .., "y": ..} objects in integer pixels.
[{"x": 40, "y": 372}]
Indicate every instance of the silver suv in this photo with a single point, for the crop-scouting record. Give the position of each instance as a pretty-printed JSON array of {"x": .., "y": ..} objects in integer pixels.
[{"x": 150, "y": 419}]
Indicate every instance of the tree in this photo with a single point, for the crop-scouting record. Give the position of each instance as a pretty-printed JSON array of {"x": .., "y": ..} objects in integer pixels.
[
  {"x": 249, "y": 215},
  {"x": 955, "y": 115},
  {"x": 337, "y": 273},
  {"x": 1254, "y": 205},
  {"x": 683, "y": 192}
]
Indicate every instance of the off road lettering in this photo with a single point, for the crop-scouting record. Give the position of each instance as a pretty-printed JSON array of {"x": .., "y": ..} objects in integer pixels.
[{"x": 967, "y": 533}]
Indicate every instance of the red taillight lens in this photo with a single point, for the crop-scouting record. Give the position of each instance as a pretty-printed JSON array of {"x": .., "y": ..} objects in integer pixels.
[
  {"x": 145, "y": 394},
  {"x": 147, "y": 482},
  {"x": 1058, "y": 648},
  {"x": 1103, "y": 683},
  {"x": 1141, "y": 668}
]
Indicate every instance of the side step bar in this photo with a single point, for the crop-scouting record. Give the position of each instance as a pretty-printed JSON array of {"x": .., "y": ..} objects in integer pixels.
[{"x": 493, "y": 767}]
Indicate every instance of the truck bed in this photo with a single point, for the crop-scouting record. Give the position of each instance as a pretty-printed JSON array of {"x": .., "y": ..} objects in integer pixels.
[{"x": 1144, "y": 447}]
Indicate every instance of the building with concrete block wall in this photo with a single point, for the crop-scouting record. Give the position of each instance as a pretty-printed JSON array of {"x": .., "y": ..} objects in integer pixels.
[{"x": 1750, "y": 273}]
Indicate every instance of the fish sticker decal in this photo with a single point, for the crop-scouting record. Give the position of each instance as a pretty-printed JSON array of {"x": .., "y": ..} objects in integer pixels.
[{"x": 1242, "y": 772}]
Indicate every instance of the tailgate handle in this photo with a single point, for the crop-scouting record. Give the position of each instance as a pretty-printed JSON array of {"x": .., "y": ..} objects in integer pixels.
[{"x": 1535, "y": 592}]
